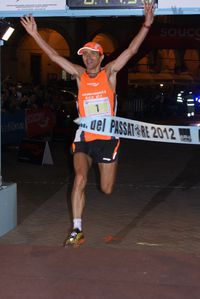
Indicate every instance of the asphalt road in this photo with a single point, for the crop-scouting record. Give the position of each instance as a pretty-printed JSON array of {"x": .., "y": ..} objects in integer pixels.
[{"x": 141, "y": 242}]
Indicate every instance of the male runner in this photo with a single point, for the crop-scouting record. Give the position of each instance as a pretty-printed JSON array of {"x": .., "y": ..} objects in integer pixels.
[{"x": 96, "y": 97}]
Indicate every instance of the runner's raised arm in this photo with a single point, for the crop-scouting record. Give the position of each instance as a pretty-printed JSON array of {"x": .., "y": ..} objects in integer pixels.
[
  {"x": 28, "y": 22},
  {"x": 127, "y": 54}
]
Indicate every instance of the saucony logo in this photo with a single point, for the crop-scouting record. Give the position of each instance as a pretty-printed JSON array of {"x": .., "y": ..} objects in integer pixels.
[{"x": 93, "y": 84}]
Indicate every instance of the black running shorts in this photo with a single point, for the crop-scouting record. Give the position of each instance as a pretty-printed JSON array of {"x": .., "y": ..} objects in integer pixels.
[{"x": 101, "y": 151}]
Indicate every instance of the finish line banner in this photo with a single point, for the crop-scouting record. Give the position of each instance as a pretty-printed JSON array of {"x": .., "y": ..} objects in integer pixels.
[{"x": 131, "y": 129}]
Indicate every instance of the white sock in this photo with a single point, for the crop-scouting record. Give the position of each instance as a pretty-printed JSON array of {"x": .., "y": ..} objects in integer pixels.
[{"x": 77, "y": 223}]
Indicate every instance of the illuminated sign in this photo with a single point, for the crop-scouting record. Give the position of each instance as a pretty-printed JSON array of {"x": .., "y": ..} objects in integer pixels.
[{"x": 105, "y": 4}]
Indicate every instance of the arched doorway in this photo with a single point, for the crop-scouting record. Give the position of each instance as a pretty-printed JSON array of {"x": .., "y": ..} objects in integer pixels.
[
  {"x": 192, "y": 60},
  {"x": 34, "y": 65},
  {"x": 106, "y": 41}
]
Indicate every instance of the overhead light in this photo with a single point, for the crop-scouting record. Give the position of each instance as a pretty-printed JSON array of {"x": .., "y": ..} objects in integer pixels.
[
  {"x": 6, "y": 30},
  {"x": 8, "y": 33}
]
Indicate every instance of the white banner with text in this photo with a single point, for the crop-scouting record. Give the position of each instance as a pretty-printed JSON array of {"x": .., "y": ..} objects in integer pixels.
[{"x": 132, "y": 129}]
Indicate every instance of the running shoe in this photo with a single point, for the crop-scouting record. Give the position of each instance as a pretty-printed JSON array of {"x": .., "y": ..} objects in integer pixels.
[{"x": 75, "y": 239}]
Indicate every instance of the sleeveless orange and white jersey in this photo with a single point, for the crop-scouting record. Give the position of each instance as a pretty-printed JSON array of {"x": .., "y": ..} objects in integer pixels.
[{"x": 95, "y": 98}]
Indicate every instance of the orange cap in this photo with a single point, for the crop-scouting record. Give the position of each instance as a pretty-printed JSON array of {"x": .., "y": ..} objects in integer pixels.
[{"x": 91, "y": 46}]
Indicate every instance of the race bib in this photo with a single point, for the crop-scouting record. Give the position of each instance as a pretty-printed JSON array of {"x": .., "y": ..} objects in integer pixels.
[{"x": 97, "y": 107}]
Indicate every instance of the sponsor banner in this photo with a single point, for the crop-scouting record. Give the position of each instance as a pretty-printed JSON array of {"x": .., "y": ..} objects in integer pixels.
[
  {"x": 39, "y": 121},
  {"x": 127, "y": 128},
  {"x": 12, "y": 127},
  {"x": 175, "y": 37},
  {"x": 32, "y": 5}
]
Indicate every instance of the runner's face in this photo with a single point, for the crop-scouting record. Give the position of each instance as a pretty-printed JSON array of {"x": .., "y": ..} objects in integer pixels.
[{"x": 91, "y": 59}]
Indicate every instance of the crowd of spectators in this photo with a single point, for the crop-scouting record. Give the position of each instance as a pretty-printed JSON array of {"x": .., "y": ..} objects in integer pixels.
[
  {"x": 142, "y": 101},
  {"x": 17, "y": 95}
]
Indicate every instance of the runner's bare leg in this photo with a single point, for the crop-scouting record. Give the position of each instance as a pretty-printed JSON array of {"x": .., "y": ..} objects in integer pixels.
[
  {"x": 107, "y": 176},
  {"x": 82, "y": 164}
]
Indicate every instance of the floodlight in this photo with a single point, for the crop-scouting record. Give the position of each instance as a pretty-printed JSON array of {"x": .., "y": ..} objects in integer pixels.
[{"x": 6, "y": 30}]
